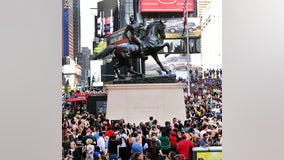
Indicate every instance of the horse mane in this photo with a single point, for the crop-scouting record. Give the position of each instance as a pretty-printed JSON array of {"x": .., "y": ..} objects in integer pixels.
[{"x": 152, "y": 24}]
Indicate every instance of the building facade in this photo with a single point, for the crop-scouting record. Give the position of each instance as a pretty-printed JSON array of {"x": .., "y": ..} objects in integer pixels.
[
  {"x": 68, "y": 37},
  {"x": 202, "y": 5},
  {"x": 71, "y": 71},
  {"x": 76, "y": 27},
  {"x": 211, "y": 25}
]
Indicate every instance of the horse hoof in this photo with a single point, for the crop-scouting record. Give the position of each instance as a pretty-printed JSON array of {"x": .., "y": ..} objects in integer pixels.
[
  {"x": 121, "y": 77},
  {"x": 144, "y": 58},
  {"x": 167, "y": 54},
  {"x": 138, "y": 76}
]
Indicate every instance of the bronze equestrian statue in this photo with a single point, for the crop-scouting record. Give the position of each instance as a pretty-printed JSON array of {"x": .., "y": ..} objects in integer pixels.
[{"x": 151, "y": 44}]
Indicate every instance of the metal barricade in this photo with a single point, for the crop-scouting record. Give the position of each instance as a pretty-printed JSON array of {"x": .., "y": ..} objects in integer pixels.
[
  {"x": 164, "y": 157},
  {"x": 180, "y": 156}
]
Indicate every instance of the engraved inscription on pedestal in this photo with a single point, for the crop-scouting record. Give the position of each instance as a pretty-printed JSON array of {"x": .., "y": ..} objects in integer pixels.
[{"x": 136, "y": 102}]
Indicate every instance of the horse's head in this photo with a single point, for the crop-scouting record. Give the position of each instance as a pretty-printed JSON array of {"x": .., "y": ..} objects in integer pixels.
[
  {"x": 161, "y": 29},
  {"x": 157, "y": 27}
]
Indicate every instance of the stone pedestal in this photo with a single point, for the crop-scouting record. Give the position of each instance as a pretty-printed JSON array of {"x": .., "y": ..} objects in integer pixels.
[{"x": 137, "y": 102}]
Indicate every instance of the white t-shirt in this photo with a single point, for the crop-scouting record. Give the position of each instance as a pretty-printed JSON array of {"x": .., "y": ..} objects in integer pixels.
[
  {"x": 201, "y": 133},
  {"x": 124, "y": 137},
  {"x": 101, "y": 143}
]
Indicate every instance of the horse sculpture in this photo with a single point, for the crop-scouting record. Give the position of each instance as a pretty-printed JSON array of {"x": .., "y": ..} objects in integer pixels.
[{"x": 126, "y": 51}]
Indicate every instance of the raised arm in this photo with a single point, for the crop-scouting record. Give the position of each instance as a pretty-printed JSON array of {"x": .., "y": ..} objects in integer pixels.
[{"x": 125, "y": 32}]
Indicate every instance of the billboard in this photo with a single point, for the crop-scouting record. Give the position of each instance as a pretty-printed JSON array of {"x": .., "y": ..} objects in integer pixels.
[
  {"x": 107, "y": 20},
  {"x": 104, "y": 25},
  {"x": 175, "y": 29},
  {"x": 95, "y": 66},
  {"x": 207, "y": 153},
  {"x": 178, "y": 45},
  {"x": 165, "y": 5},
  {"x": 209, "y": 156},
  {"x": 100, "y": 25},
  {"x": 177, "y": 63}
]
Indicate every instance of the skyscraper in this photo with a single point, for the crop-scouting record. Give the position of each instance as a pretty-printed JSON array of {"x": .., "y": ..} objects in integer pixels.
[
  {"x": 76, "y": 27},
  {"x": 68, "y": 38}
]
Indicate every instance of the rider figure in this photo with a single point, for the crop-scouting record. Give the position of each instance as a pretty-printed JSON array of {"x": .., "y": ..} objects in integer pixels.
[{"x": 134, "y": 29}]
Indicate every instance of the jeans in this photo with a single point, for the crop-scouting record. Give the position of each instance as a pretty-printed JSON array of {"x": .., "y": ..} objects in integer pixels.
[{"x": 113, "y": 156}]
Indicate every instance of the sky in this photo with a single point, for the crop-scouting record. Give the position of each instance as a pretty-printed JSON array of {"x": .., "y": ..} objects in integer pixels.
[{"x": 87, "y": 22}]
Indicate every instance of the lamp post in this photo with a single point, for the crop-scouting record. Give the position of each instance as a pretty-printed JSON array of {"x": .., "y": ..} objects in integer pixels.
[{"x": 187, "y": 49}]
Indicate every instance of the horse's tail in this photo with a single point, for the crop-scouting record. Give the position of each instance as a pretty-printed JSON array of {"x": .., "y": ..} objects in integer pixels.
[{"x": 105, "y": 52}]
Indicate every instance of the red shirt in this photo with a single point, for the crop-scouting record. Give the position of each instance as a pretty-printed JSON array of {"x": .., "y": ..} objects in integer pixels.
[
  {"x": 183, "y": 147},
  {"x": 173, "y": 139},
  {"x": 109, "y": 133},
  {"x": 87, "y": 95}
]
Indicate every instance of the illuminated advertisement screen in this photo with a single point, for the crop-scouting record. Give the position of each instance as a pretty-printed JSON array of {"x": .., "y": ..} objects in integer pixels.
[
  {"x": 95, "y": 66},
  {"x": 179, "y": 46},
  {"x": 107, "y": 26},
  {"x": 165, "y": 5},
  {"x": 177, "y": 63},
  {"x": 207, "y": 153},
  {"x": 209, "y": 156},
  {"x": 175, "y": 28}
]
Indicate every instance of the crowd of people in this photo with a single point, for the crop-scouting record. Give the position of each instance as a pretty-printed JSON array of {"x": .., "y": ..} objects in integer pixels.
[{"x": 92, "y": 137}]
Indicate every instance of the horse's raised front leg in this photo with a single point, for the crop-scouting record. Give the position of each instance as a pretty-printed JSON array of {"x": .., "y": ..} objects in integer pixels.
[
  {"x": 162, "y": 45},
  {"x": 156, "y": 58}
]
